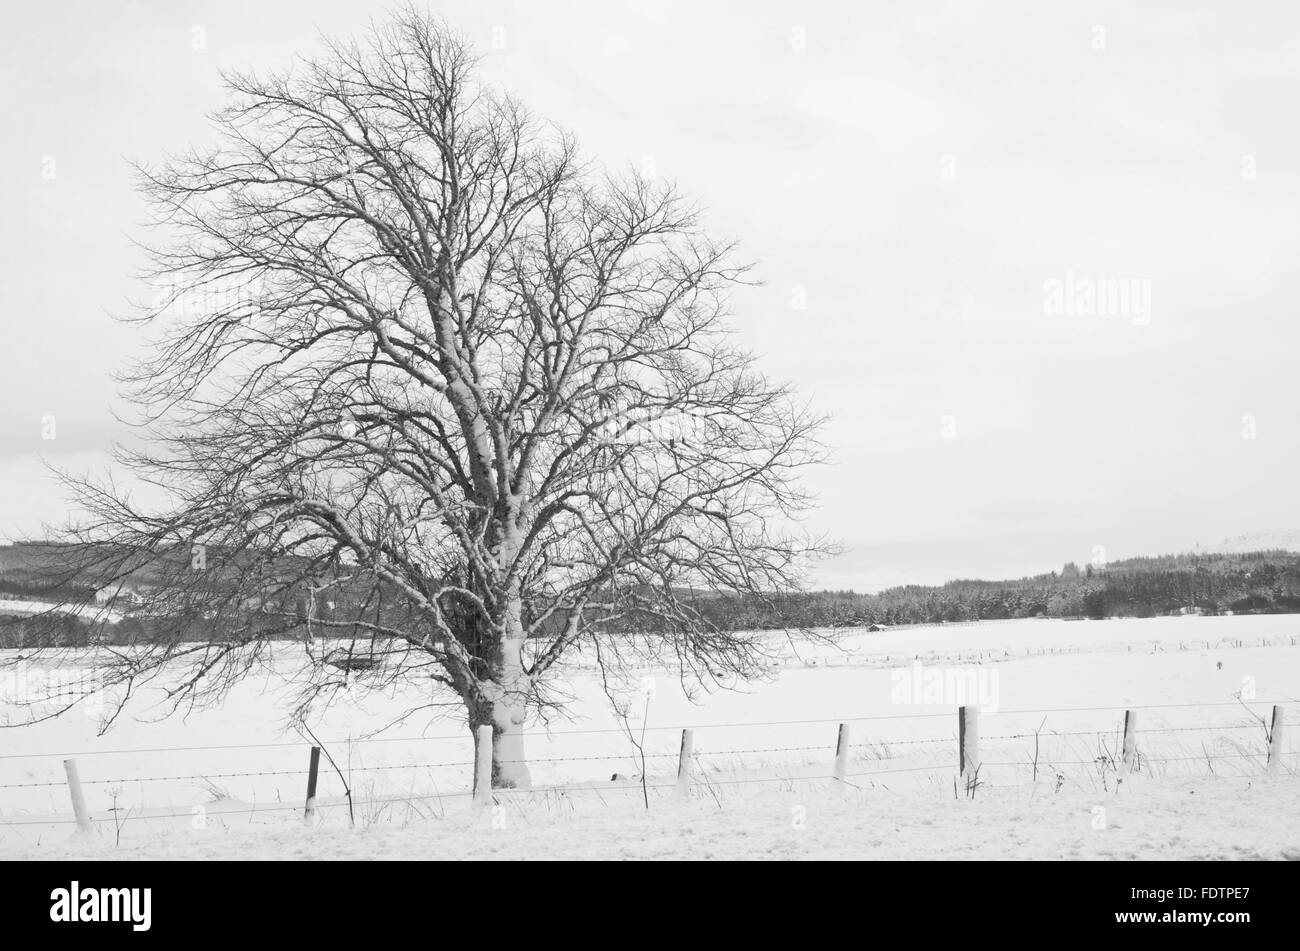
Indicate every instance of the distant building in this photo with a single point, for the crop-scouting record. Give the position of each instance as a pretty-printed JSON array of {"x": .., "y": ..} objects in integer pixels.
[{"x": 126, "y": 591}]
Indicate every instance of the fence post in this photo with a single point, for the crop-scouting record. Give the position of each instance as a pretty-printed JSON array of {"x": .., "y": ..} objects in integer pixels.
[
  {"x": 483, "y": 767},
  {"x": 684, "y": 763},
  {"x": 842, "y": 753},
  {"x": 1130, "y": 739},
  {"x": 968, "y": 742},
  {"x": 78, "y": 800},
  {"x": 313, "y": 770},
  {"x": 1275, "y": 740}
]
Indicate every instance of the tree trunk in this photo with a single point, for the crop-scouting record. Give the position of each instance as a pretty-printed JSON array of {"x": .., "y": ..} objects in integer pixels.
[
  {"x": 503, "y": 704},
  {"x": 509, "y": 762}
]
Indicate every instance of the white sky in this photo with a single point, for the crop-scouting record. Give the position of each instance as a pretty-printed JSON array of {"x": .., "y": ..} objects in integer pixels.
[{"x": 917, "y": 172}]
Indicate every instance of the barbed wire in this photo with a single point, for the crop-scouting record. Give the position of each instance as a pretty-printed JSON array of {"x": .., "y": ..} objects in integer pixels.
[
  {"x": 598, "y": 789},
  {"x": 457, "y": 764},
  {"x": 235, "y": 746},
  {"x": 1048, "y": 734},
  {"x": 821, "y": 748},
  {"x": 1145, "y": 758},
  {"x": 1146, "y": 706},
  {"x": 622, "y": 756},
  {"x": 463, "y": 737},
  {"x": 628, "y": 755}
]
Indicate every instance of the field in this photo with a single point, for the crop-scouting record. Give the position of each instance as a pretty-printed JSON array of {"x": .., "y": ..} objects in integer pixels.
[{"x": 229, "y": 782}]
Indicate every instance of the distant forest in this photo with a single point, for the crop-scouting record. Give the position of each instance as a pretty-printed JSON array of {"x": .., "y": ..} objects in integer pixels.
[{"x": 1265, "y": 582}]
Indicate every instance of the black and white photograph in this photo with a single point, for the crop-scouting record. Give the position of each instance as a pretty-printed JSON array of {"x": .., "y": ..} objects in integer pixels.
[{"x": 650, "y": 431}]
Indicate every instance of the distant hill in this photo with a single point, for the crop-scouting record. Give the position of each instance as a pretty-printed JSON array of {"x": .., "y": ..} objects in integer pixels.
[
  {"x": 1234, "y": 582},
  {"x": 41, "y": 570},
  {"x": 1235, "y": 578},
  {"x": 1264, "y": 541}
]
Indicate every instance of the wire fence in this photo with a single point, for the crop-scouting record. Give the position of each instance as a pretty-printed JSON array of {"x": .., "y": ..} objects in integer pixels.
[
  {"x": 877, "y": 751},
  {"x": 465, "y": 737}
]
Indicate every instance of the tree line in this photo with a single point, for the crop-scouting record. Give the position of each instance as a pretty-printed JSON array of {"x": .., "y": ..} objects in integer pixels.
[{"x": 1248, "y": 583}]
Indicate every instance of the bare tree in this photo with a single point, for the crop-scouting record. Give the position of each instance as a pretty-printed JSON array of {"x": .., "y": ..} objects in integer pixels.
[{"x": 414, "y": 358}]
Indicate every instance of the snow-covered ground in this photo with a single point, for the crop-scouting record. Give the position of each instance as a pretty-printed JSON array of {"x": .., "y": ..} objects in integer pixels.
[
  {"x": 229, "y": 781},
  {"x": 1199, "y": 819},
  {"x": 28, "y": 608}
]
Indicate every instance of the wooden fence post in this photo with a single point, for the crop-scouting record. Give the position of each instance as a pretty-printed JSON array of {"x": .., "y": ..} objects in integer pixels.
[
  {"x": 313, "y": 770},
  {"x": 1130, "y": 739},
  {"x": 968, "y": 742},
  {"x": 78, "y": 800},
  {"x": 1275, "y": 740},
  {"x": 684, "y": 763},
  {"x": 483, "y": 767},
  {"x": 842, "y": 753}
]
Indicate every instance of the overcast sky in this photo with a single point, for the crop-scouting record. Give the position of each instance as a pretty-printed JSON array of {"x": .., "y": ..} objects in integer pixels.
[{"x": 930, "y": 191}]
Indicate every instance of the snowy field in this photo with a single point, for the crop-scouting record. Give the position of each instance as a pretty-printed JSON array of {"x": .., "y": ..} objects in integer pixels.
[
  {"x": 1202, "y": 819},
  {"x": 230, "y": 782}
]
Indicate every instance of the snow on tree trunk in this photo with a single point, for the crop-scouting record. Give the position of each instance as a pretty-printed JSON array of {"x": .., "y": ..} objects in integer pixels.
[
  {"x": 509, "y": 760},
  {"x": 503, "y": 704},
  {"x": 509, "y": 763}
]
